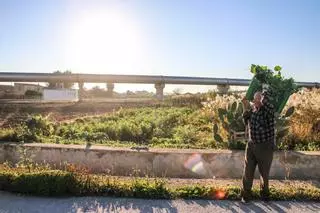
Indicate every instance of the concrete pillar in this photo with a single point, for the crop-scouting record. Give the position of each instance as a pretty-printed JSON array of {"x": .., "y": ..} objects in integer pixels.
[
  {"x": 110, "y": 87},
  {"x": 81, "y": 91},
  {"x": 223, "y": 88},
  {"x": 159, "y": 90}
]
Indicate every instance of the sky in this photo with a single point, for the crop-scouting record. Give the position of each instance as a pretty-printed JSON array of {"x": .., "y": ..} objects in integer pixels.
[{"x": 212, "y": 38}]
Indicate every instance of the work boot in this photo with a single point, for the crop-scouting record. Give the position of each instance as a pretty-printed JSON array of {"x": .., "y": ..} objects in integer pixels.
[
  {"x": 264, "y": 196},
  {"x": 245, "y": 198}
]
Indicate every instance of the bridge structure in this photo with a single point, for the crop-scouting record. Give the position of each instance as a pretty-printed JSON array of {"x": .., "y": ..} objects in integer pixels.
[{"x": 159, "y": 81}]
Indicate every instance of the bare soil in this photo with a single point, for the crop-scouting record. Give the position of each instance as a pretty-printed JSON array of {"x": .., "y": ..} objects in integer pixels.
[{"x": 12, "y": 113}]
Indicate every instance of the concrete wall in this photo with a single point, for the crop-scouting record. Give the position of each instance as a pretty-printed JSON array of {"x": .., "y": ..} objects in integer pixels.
[
  {"x": 165, "y": 162},
  {"x": 60, "y": 95}
]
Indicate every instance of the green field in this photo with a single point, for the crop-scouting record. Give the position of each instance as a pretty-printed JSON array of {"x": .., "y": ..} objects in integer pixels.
[{"x": 184, "y": 122}]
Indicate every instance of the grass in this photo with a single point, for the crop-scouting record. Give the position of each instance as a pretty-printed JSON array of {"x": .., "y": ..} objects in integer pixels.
[
  {"x": 44, "y": 181},
  {"x": 174, "y": 127}
]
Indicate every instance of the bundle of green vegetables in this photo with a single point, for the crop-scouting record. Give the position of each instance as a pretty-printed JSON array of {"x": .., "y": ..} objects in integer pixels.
[{"x": 279, "y": 87}]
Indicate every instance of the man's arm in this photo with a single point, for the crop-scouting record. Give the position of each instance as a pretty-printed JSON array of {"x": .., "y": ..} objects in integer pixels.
[
  {"x": 247, "y": 111},
  {"x": 246, "y": 116},
  {"x": 266, "y": 103}
]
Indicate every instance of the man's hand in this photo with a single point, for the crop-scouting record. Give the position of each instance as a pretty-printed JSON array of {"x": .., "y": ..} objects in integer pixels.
[{"x": 246, "y": 103}]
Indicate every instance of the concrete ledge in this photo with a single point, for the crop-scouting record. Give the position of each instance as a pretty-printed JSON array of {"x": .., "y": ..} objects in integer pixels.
[{"x": 182, "y": 163}]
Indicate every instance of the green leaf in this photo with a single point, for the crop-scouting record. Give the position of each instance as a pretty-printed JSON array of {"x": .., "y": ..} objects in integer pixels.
[
  {"x": 283, "y": 132},
  {"x": 234, "y": 106},
  {"x": 221, "y": 116},
  {"x": 253, "y": 69},
  {"x": 229, "y": 107},
  {"x": 225, "y": 125},
  {"x": 233, "y": 125},
  {"x": 240, "y": 108},
  {"x": 239, "y": 118},
  {"x": 278, "y": 76},
  {"x": 230, "y": 117},
  {"x": 289, "y": 112},
  {"x": 221, "y": 113},
  {"x": 218, "y": 138},
  {"x": 281, "y": 122},
  {"x": 277, "y": 68},
  {"x": 241, "y": 126},
  {"x": 215, "y": 128}
]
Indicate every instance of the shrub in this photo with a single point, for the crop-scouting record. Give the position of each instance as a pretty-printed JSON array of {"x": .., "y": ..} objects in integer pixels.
[
  {"x": 108, "y": 128},
  {"x": 307, "y": 113},
  {"x": 128, "y": 131},
  {"x": 189, "y": 100},
  {"x": 45, "y": 183},
  {"x": 32, "y": 93},
  {"x": 77, "y": 181},
  {"x": 192, "y": 192},
  {"x": 39, "y": 125},
  {"x": 186, "y": 134}
]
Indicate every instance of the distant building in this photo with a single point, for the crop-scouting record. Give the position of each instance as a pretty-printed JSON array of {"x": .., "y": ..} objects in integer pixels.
[{"x": 60, "y": 95}]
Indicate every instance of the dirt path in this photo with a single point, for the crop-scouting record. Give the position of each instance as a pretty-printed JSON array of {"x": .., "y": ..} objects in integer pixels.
[{"x": 223, "y": 183}]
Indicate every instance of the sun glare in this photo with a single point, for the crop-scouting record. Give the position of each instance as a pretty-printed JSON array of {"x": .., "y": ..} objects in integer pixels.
[{"x": 104, "y": 42}]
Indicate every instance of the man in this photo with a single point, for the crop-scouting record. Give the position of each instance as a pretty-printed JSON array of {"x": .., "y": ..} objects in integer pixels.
[{"x": 259, "y": 119}]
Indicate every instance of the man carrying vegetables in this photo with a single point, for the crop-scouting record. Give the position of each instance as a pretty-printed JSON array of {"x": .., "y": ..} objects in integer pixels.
[{"x": 259, "y": 119}]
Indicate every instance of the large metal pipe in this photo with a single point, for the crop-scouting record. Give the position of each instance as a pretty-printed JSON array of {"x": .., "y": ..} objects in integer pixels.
[{"x": 142, "y": 79}]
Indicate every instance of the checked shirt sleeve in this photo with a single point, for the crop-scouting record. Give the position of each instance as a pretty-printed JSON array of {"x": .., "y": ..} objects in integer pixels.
[{"x": 266, "y": 103}]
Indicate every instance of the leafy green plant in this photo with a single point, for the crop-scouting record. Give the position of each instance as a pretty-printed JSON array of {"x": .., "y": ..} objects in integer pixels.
[
  {"x": 230, "y": 119},
  {"x": 280, "y": 87},
  {"x": 34, "y": 129},
  {"x": 25, "y": 159},
  {"x": 33, "y": 93},
  {"x": 39, "y": 125},
  {"x": 186, "y": 134}
]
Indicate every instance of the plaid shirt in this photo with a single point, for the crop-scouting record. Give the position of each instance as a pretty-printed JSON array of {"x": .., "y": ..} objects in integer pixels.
[{"x": 261, "y": 123}]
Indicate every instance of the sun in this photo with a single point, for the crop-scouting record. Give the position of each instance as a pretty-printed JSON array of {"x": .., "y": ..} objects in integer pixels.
[{"x": 104, "y": 42}]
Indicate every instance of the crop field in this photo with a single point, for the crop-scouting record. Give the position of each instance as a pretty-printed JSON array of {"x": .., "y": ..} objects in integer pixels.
[{"x": 204, "y": 121}]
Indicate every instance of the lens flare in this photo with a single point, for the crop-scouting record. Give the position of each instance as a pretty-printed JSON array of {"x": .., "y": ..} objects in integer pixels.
[
  {"x": 195, "y": 164},
  {"x": 219, "y": 194}
]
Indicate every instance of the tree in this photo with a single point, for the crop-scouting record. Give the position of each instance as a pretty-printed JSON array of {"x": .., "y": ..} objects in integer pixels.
[
  {"x": 66, "y": 84},
  {"x": 97, "y": 92},
  {"x": 177, "y": 91},
  {"x": 32, "y": 93}
]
